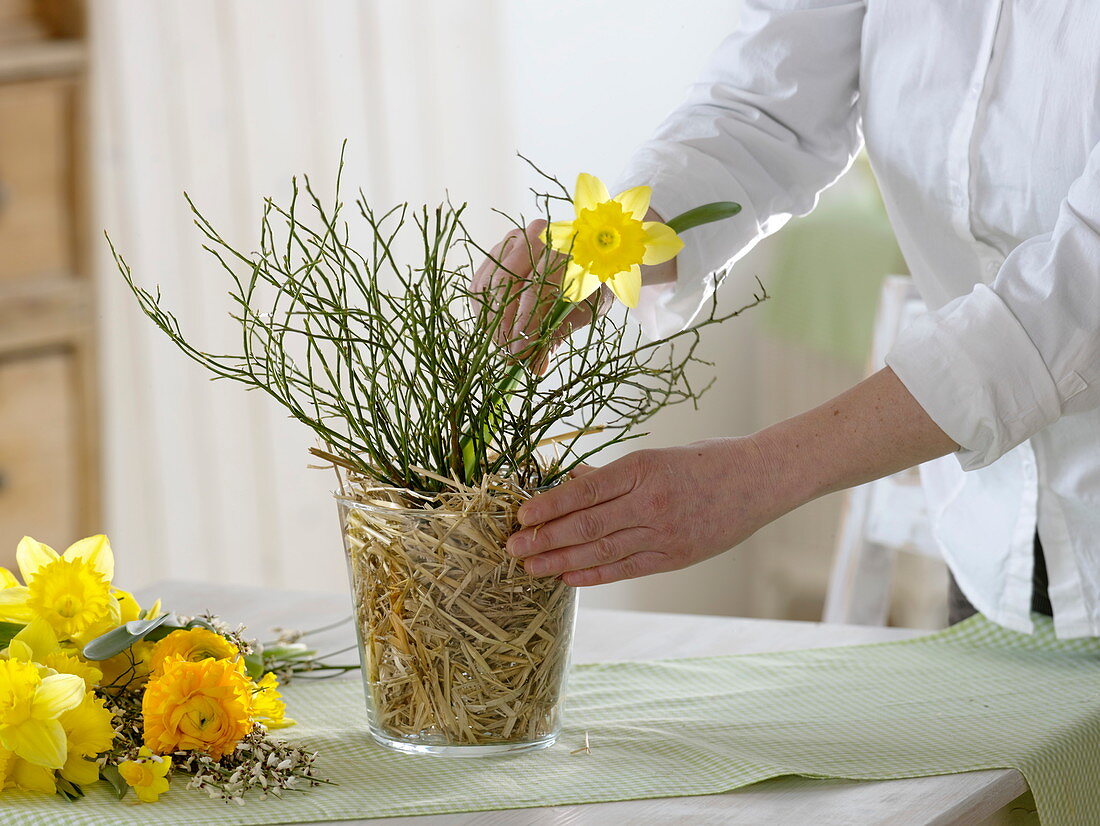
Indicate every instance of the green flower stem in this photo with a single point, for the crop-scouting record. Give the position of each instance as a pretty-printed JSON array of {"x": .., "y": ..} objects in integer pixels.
[
  {"x": 508, "y": 384},
  {"x": 706, "y": 214}
]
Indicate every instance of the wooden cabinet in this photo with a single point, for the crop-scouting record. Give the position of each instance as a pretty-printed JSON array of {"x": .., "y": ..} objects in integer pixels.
[
  {"x": 36, "y": 179},
  {"x": 49, "y": 470}
]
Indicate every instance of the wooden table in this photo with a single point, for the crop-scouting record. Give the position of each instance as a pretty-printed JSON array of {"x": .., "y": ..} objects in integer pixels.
[{"x": 985, "y": 797}]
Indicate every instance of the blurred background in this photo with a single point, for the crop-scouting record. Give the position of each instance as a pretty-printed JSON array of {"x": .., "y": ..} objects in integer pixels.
[{"x": 111, "y": 109}]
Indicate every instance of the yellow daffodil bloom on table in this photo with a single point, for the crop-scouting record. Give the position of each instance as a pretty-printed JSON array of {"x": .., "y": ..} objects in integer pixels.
[
  {"x": 147, "y": 775},
  {"x": 609, "y": 240},
  {"x": 72, "y": 591},
  {"x": 37, "y": 643},
  {"x": 268, "y": 706},
  {"x": 30, "y": 705}
]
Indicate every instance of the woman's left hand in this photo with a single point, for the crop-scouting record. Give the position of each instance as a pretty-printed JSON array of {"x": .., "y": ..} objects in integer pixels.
[{"x": 650, "y": 511}]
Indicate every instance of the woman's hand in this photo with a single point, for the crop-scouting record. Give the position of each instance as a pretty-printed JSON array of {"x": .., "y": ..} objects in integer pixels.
[
  {"x": 502, "y": 278},
  {"x": 658, "y": 510},
  {"x": 651, "y": 511}
]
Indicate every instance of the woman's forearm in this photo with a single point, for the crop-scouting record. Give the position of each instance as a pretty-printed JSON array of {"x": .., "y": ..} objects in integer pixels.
[{"x": 874, "y": 429}]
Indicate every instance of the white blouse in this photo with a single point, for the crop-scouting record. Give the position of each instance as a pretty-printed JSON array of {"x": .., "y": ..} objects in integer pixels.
[{"x": 982, "y": 123}]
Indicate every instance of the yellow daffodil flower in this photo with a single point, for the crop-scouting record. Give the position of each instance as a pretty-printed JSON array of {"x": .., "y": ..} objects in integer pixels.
[
  {"x": 204, "y": 706},
  {"x": 609, "y": 240},
  {"x": 89, "y": 731},
  {"x": 37, "y": 643},
  {"x": 128, "y": 606},
  {"x": 268, "y": 706},
  {"x": 147, "y": 775},
  {"x": 30, "y": 705},
  {"x": 71, "y": 592}
]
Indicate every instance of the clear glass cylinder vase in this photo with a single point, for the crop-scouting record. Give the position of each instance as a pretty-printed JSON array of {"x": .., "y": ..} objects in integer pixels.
[{"x": 463, "y": 652}]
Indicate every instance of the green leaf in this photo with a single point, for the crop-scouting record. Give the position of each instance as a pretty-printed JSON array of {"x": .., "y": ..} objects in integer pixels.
[
  {"x": 706, "y": 214},
  {"x": 7, "y": 631},
  {"x": 111, "y": 774},
  {"x": 119, "y": 639},
  {"x": 254, "y": 662},
  {"x": 69, "y": 791}
]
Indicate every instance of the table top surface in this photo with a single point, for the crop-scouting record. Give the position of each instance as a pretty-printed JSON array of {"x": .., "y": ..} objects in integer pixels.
[{"x": 603, "y": 636}]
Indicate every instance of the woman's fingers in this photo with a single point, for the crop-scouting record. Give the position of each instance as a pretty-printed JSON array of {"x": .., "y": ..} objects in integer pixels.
[
  {"x": 586, "y": 525},
  {"x": 604, "y": 551},
  {"x": 578, "y": 493},
  {"x": 630, "y": 567}
]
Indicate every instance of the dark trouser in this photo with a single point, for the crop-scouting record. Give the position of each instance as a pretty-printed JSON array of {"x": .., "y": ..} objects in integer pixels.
[{"x": 959, "y": 607}]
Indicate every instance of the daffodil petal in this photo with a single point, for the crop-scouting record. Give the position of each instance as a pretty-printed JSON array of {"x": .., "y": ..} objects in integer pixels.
[
  {"x": 578, "y": 283},
  {"x": 96, "y": 550},
  {"x": 80, "y": 771},
  {"x": 129, "y": 609},
  {"x": 661, "y": 243},
  {"x": 41, "y": 742},
  {"x": 559, "y": 235},
  {"x": 33, "y": 778},
  {"x": 56, "y": 695},
  {"x": 589, "y": 192},
  {"x": 635, "y": 201},
  {"x": 13, "y": 605},
  {"x": 31, "y": 556},
  {"x": 7, "y": 579},
  {"x": 39, "y": 638},
  {"x": 627, "y": 286},
  {"x": 19, "y": 650}
]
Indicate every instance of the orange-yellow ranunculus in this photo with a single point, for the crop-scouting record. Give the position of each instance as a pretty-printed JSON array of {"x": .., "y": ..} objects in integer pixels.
[
  {"x": 609, "y": 240},
  {"x": 197, "y": 706},
  {"x": 192, "y": 644}
]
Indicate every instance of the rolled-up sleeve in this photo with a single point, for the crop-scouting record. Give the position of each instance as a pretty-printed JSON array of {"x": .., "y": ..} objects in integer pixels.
[
  {"x": 772, "y": 121},
  {"x": 994, "y": 367}
]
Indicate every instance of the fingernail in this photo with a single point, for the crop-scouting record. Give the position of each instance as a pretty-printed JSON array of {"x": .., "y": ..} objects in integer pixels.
[{"x": 515, "y": 544}]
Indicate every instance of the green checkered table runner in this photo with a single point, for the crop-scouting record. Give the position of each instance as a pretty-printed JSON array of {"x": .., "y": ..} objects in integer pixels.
[{"x": 973, "y": 697}]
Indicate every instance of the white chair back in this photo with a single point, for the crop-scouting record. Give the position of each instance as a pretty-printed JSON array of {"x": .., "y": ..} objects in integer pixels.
[{"x": 882, "y": 517}]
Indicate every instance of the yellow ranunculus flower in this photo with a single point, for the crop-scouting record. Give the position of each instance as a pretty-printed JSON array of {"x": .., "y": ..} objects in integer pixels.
[
  {"x": 609, "y": 240},
  {"x": 193, "y": 644},
  {"x": 29, "y": 707},
  {"x": 147, "y": 775},
  {"x": 197, "y": 706},
  {"x": 268, "y": 706},
  {"x": 71, "y": 592}
]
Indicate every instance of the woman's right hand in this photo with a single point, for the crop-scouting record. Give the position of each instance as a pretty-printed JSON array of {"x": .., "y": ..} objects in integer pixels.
[{"x": 500, "y": 280}]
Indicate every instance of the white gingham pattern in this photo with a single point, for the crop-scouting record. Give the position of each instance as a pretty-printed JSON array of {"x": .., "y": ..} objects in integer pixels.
[{"x": 973, "y": 697}]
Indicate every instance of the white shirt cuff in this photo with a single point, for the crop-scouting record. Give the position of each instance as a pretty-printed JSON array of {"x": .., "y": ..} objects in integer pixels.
[{"x": 973, "y": 368}]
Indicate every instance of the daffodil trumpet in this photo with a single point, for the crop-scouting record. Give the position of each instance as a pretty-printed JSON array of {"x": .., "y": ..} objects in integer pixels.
[{"x": 607, "y": 243}]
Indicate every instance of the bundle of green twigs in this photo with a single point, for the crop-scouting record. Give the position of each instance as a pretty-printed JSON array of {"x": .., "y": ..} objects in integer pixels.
[{"x": 395, "y": 367}]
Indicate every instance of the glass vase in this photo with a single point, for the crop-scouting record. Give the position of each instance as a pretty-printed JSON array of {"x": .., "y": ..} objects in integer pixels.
[{"x": 463, "y": 652}]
